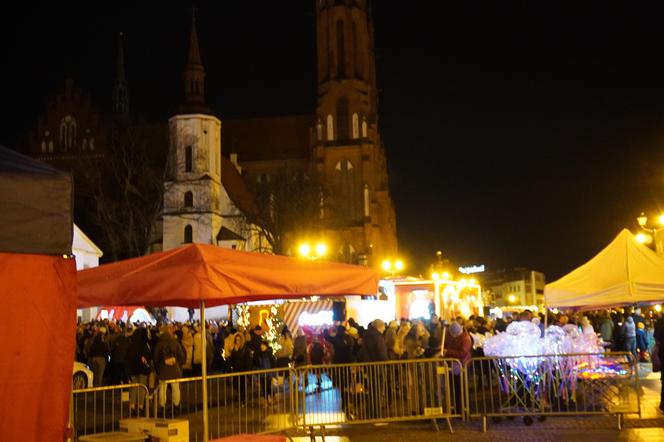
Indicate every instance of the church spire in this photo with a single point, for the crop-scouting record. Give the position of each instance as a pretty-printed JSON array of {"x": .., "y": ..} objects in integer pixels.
[
  {"x": 194, "y": 76},
  {"x": 120, "y": 99}
]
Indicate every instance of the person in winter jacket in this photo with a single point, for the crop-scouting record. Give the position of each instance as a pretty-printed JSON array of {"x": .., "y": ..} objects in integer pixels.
[
  {"x": 138, "y": 363},
  {"x": 373, "y": 347},
  {"x": 239, "y": 360},
  {"x": 285, "y": 353},
  {"x": 98, "y": 354},
  {"x": 188, "y": 344},
  {"x": 198, "y": 350},
  {"x": 168, "y": 360},
  {"x": 629, "y": 336},
  {"x": 458, "y": 345}
]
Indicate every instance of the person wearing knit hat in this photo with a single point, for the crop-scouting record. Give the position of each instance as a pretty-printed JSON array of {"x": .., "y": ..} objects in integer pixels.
[
  {"x": 455, "y": 329},
  {"x": 458, "y": 345}
]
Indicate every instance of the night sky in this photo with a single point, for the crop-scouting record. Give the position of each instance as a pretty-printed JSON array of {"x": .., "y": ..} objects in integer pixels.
[{"x": 517, "y": 133}]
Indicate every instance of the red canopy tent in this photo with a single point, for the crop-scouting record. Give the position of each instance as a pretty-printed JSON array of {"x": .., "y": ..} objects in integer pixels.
[{"x": 199, "y": 275}]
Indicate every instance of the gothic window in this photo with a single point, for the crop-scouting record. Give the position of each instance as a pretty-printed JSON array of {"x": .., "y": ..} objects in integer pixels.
[
  {"x": 330, "y": 128},
  {"x": 364, "y": 127},
  {"x": 342, "y": 119},
  {"x": 341, "y": 50},
  {"x": 356, "y": 126},
  {"x": 188, "y": 159},
  {"x": 188, "y": 234},
  {"x": 346, "y": 254},
  {"x": 345, "y": 183},
  {"x": 50, "y": 146},
  {"x": 319, "y": 130},
  {"x": 67, "y": 132},
  {"x": 92, "y": 144},
  {"x": 43, "y": 146},
  {"x": 189, "y": 199},
  {"x": 357, "y": 54}
]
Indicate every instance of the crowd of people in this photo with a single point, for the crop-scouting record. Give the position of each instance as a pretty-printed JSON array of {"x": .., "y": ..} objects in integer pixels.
[{"x": 141, "y": 353}]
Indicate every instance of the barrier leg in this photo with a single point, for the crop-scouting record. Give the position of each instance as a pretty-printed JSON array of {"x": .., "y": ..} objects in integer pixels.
[
  {"x": 449, "y": 424},
  {"x": 620, "y": 421},
  {"x": 484, "y": 424}
]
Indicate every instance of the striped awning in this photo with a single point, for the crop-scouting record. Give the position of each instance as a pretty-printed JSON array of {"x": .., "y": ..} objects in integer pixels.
[{"x": 293, "y": 310}]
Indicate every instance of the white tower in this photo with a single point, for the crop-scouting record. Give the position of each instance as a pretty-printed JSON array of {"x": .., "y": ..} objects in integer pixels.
[{"x": 192, "y": 196}]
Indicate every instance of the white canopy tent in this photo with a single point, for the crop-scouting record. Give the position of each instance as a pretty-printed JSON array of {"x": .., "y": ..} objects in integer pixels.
[{"x": 625, "y": 272}]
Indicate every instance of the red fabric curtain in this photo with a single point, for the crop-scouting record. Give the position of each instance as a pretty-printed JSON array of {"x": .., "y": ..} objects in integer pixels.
[{"x": 38, "y": 304}]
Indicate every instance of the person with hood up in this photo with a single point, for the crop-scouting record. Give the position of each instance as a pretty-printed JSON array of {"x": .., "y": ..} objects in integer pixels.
[
  {"x": 168, "y": 360},
  {"x": 391, "y": 339},
  {"x": 373, "y": 347}
]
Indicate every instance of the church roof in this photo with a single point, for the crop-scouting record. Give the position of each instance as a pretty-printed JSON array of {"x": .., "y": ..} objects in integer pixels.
[
  {"x": 236, "y": 188},
  {"x": 226, "y": 234},
  {"x": 268, "y": 138}
]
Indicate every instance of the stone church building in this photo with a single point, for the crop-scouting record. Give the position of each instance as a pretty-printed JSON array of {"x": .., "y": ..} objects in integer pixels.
[{"x": 211, "y": 162}]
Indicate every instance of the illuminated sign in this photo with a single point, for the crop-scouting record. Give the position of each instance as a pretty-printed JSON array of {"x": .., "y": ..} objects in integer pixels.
[
  {"x": 315, "y": 319},
  {"x": 472, "y": 269}
]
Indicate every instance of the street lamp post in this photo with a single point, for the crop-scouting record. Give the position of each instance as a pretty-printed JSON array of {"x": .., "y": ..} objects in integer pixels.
[{"x": 651, "y": 237}]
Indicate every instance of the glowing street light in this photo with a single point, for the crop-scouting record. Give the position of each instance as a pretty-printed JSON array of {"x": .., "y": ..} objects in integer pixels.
[
  {"x": 652, "y": 232},
  {"x": 392, "y": 266},
  {"x": 658, "y": 308},
  {"x": 643, "y": 238},
  {"x": 511, "y": 299},
  {"x": 321, "y": 249},
  {"x": 305, "y": 250}
]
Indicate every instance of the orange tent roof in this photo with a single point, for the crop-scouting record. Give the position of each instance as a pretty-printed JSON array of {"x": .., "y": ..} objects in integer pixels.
[{"x": 189, "y": 274}]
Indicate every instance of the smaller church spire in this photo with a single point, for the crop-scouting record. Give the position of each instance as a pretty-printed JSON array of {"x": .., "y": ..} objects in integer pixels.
[
  {"x": 194, "y": 75},
  {"x": 120, "y": 100}
]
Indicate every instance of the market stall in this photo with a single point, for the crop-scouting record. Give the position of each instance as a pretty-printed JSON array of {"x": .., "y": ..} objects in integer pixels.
[
  {"x": 197, "y": 275},
  {"x": 624, "y": 273}
]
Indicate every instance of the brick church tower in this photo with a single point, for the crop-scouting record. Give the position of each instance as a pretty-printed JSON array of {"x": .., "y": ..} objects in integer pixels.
[{"x": 348, "y": 153}]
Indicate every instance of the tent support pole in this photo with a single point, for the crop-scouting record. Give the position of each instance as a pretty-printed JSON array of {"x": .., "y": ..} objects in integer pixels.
[{"x": 206, "y": 423}]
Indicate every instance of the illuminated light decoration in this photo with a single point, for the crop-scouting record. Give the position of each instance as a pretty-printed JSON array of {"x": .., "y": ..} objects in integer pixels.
[
  {"x": 275, "y": 325},
  {"x": 511, "y": 298},
  {"x": 243, "y": 316},
  {"x": 472, "y": 269},
  {"x": 324, "y": 317},
  {"x": 435, "y": 276},
  {"x": 387, "y": 265},
  {"x": 464, "y": 308},
  {"x": 398, "y": 265},
  {"x": 446, "y": 276},
  {"x": 449, "y": 292}
]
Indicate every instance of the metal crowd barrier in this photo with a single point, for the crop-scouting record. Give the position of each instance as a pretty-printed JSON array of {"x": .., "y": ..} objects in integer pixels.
[
  {"x": 284, "y": 399},
  {"x": 380, "y": 392},
  {"x": 550, "y": 385},
  {"x": 99, "y": 409},
  {"x": 252, "y": 402}
]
